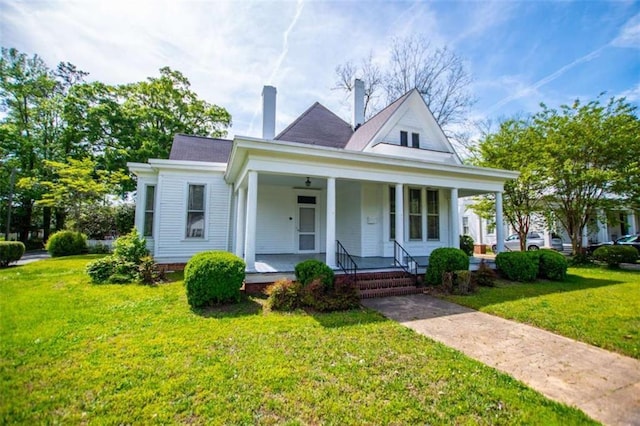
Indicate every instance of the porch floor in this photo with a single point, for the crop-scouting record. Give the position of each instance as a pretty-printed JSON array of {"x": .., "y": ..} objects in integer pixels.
[{"x": 268, "y": 263}]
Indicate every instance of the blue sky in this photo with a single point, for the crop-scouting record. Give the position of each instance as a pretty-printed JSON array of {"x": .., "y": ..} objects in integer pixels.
[{"x": 519, "y": 53}]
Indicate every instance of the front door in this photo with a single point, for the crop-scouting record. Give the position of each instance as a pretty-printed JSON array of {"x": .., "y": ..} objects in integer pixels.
[{"x": 307, "y": 224}]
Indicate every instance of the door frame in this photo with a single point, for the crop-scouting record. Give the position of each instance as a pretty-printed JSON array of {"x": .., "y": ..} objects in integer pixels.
[{"x": 316, "y": 206}]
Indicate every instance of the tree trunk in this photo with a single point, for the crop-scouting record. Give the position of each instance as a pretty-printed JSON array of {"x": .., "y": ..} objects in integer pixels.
[
  {"x": 60, "y": 217},
  {"x": 46, "y": 223},
  {"x": 25, "y": 224}
]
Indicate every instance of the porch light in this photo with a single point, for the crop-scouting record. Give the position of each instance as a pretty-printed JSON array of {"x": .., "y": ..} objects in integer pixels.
[{"x": 307, "y": 182}]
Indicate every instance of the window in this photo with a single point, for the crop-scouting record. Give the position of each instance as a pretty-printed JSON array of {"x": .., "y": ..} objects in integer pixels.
[
  {"x": 392, "y": 213},
  {"x": 433, "y": 216},
  {"x": 415, "y": 214},
  {"x": 149, "y": 202},
  {"x": 465, "y": 225},
  {"x": 195, "y": 212},
  {"x": 403, "y": 138},
  {"x": 415, "y": 140}
]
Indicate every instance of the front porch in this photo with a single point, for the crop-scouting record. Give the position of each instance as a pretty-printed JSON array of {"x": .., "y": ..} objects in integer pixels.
[{"x": 285, "y": 263}]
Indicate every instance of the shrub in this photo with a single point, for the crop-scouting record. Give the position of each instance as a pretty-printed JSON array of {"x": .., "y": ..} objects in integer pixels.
[
  {"x": 462, "y": 281},
  {"x": 213, "y": 277},
  {"x": 445, "y": 259},
  {"x": 130, "y": 247},
  {"x": 517, "y": 265},
  {"x": 284, "y": 295},
  {"x": 614, "y": 255},
  {"x": 581, "y": 259},
  {"x": 95, "y": 221},
  {"x": 124, "y": 218},
  {"x": 552, "y": 265},
  {"x": 485, "y": 276},
  {"x": 466, "y": 244},
  {"x": 10, "y": 251},
  {"x": 149, "y": 272},
  {"x": 312, "y": 269},
  {"x": 340, "y": 298},
  {"x": 66, "y": 243},
  {"x": 100, "y": 270}
]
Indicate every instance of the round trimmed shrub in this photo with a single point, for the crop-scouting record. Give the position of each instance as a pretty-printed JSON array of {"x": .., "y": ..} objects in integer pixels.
[
  {"x": 284, "y": 295},
  {"x": 213, "y": 277},
  {"x": 445, "y": 259},
  {"x": 66, "y": 243},
  {"x": 466, "y": 244},
  {"x": 614, "y": 255},
  {"x": 311, "y": 269},
  {"x": 517, "y": 265},
  {"x": 552, "y": 265},
  {"x": 10, "y": 251}
]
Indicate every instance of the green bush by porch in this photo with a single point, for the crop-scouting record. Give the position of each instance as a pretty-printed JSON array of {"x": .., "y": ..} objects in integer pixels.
[
  {"x": 213, "y": 277},
  {"x": 136, "y": 354},
  {"x": 445, "y": 259},
  {"x": 614, "y": 255}
]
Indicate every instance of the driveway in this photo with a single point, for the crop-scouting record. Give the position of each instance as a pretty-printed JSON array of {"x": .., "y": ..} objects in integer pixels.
[
  {"x": 32, "y": 256},
  {"x": 604, "y": 385}
]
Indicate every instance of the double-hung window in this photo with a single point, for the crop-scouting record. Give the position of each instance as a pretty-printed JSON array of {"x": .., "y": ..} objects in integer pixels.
[
  {"x": 433, "y": 215},
  {"x": 415, "y": 140},
  {"x": 465, "y": 225},
  {"x": 195, "y": 212},
  {"x": 149, "y": 202},
  {"x": 415, "y": 214},
  {"x": 404, "y": 138}
]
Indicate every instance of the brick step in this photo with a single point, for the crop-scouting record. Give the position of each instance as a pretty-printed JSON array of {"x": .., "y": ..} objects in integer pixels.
[
  {"x": 370, "y": 276},
  {"x": 392, "y": 291},
  {"x": 384, "y": 283}
]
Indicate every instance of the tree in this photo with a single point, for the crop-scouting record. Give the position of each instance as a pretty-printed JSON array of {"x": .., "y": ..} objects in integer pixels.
[
  {"x": 437, "y": 73},
  {"x": 590, "y": 160},
  {"x": 76, "y": 186},
  {"x": 514, "y": 147}
]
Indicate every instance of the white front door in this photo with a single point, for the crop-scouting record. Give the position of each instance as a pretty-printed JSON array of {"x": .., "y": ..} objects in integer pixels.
[{"x": 307, "y": 224}]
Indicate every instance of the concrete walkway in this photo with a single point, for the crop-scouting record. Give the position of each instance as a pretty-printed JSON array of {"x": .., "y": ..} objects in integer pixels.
[{"x": 605, "y": 385}]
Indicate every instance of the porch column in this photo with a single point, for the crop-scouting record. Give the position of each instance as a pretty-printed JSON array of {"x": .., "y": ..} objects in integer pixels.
[
  {"x": 499, "y": 223},
  {"x": 454, "y": 224},
  {"x": 603, "y": 227},
  {"x": 241, "y": 204},
  {"x": 331, "y": 222},
  {"x": 631, "y": 223},
  {"x": 547, "y": 238},
  {"x": 400, "y": 214},
  {"x": 252, "y": 210}
]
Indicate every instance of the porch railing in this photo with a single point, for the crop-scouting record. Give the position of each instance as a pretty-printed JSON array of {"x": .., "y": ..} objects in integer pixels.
[
  {"x": 404, "y": 260},
  {"x": 346, "y": 262}
]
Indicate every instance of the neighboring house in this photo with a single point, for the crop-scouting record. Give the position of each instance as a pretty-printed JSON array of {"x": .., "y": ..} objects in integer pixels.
[
  {"x": 395, "y": 177},
  {"x": 602, "y": 227}
]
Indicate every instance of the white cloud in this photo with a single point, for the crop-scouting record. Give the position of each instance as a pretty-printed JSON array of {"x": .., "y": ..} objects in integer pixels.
[
  {"x": 629, "y": 35},
  {"x": 632, "y": 94}
]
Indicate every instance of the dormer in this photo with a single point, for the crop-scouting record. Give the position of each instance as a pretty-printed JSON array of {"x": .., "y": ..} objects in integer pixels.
[{"x": 406, "y": 128}]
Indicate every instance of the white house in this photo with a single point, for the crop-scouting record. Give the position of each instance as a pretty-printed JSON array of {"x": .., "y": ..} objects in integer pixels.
[{"x": 369, "y": 185}]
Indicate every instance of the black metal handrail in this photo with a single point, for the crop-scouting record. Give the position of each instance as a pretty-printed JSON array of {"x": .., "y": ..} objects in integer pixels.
[
  {"x": 404, "y": 260},
  {"x": 346, "y": 262}
]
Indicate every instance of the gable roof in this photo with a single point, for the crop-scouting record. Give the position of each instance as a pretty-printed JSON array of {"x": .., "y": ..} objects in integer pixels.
[
  {"x": 363, "y": 134},
  {"x": 197, "y": 148},
  {"x": 318, "y": 126}
]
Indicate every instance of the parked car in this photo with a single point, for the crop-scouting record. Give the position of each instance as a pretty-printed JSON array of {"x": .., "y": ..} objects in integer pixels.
[
  {"x": 631, "y": 239},
  {"x": 535, "y": 241}
]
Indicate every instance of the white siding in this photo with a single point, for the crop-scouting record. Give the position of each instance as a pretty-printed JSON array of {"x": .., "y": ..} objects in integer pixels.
[
  {"x": 275, "y": 232},
  {"x": 171, "y": 244},
  {"x": 348, "y": 208},
  {"x": 372, "y": 219},
  {"x": 411, "y": 122}
]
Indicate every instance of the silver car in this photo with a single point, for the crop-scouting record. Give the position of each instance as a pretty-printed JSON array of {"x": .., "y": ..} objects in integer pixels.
[{"x": 535, "y": 241}]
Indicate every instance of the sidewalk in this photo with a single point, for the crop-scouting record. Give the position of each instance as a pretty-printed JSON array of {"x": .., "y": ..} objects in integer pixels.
[
  {"x": 32, "y": 256},
  {"x": 605, "y": 385}
]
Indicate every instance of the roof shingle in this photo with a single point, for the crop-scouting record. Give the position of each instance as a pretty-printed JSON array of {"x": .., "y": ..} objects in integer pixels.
[
  {"x": 198, "y": 148},
  {"x": 318, "y": 126}
]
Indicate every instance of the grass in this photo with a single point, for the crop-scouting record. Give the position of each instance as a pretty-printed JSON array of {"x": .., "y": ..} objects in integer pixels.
[
  {"x": 73, "y": 352},
  {"x": 594, "y": 305}
]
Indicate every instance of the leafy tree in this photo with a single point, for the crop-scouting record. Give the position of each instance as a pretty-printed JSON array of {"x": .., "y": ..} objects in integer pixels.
[
  {"x": 515, "y": 146},
  {"x": 590, "y": 160},
  {"x": 438, "y": 73}
]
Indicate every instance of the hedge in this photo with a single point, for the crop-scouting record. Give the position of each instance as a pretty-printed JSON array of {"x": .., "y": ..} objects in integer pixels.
[
  {"x": 67, "y": 243},
  {"x": 213, "y": 277},
  {"x": 311, "y": 269},
  {"x": 445, "y": 259},
  {"x": 518, "y": 265},
  {"x": 614, "y": 255},
  {"x": 10, "y": 251}
]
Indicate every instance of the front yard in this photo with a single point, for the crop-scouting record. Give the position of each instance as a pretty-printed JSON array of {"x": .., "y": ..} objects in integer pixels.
[
  {"x": 72, "y": 352},
  {"x": 595, "y": 305}
]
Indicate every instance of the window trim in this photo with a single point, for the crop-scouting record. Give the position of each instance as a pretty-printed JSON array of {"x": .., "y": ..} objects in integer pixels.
[
  {"x": 392, "y": 212},
  {"x": 432, "y": 216},
  {"x": 187, "y": 211},
  {"x": 404, "y": 138},
  {"x": 415, "y": 140},
  {"x": 417, "y": 214},
  {"x": 465, "y": 225},
  {"x": 147, "y": 211}
]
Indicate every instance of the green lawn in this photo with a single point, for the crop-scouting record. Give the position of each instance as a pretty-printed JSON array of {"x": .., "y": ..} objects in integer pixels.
[
  {"x": 72, "y": 352},
  {"x": 595, "y": 305}
]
